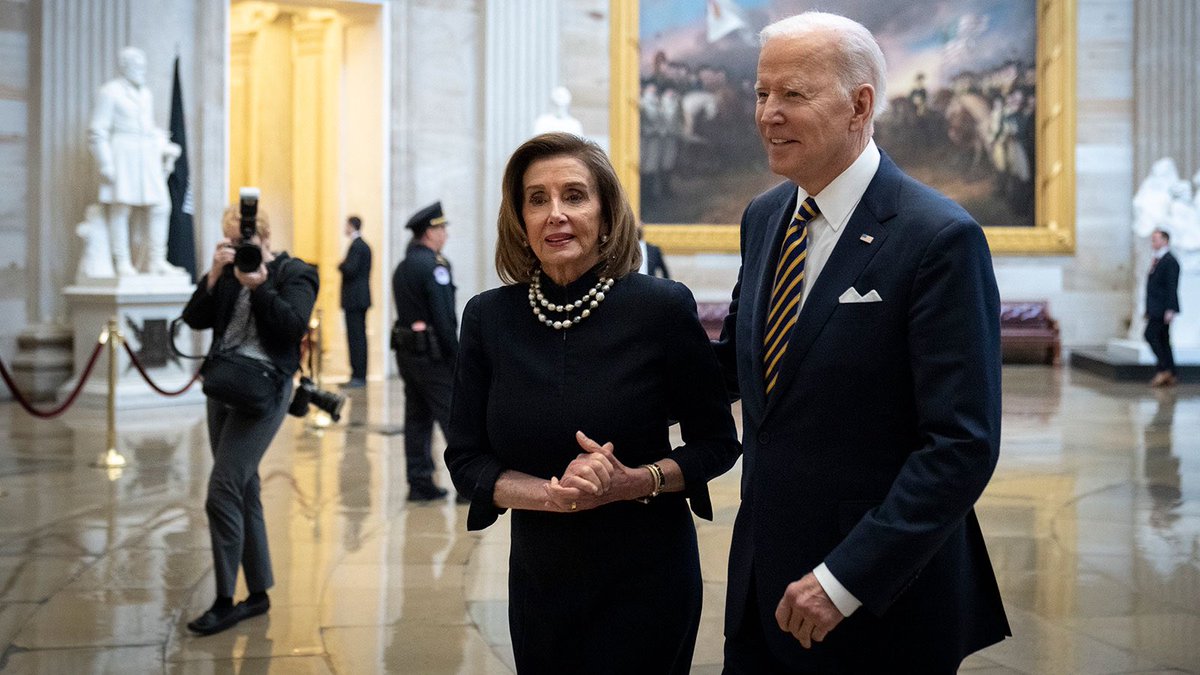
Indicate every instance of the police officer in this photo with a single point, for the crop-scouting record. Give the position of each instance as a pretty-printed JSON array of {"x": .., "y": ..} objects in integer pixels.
[{"x": 425, "y": 338}]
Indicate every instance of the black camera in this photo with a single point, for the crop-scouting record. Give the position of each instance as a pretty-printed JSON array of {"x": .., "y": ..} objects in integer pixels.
[
  {"x": 308, "y": 393},
  {"x": 247, "y": 257}
]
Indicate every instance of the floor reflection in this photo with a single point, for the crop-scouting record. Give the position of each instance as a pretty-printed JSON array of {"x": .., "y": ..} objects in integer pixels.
[{"x": 1092, "y": 519}]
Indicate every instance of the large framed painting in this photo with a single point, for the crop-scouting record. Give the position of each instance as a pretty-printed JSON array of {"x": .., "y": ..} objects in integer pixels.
[{"x": 980, "y": 106}]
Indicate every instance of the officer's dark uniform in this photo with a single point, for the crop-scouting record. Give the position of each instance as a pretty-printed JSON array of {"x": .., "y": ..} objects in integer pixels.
[{"x": 424, "y": 292}]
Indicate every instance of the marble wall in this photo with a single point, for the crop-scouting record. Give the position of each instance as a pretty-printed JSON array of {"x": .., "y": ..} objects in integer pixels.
[
  {"x": 14, "y": 171},
  {"x": 439, "y": 115}
]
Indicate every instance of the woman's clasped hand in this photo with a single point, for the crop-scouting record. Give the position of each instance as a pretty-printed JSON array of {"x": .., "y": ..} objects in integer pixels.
[{"x": 595, "y": 478}]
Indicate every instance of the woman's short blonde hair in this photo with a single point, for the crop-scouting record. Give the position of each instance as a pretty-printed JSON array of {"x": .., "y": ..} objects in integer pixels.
[
  {"x": 232, "y": 218},
  {"x": 515, "y": 261}
]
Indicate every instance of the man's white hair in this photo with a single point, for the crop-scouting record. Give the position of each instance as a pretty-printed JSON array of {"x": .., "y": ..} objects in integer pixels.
[{"x": 859, "y": 60}]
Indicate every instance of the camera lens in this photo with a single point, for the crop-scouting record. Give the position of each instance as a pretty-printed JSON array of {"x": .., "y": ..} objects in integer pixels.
[
  {"x": 247, "y": 258},
  {"x": 308, "y": 394}
]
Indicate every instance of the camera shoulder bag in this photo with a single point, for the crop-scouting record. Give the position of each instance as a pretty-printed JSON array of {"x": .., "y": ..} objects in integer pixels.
[{"x": 244, "y": 383}]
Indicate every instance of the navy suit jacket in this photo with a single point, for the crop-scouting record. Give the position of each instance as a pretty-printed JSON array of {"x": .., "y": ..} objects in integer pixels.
[
  {"x": 655, "y": 265},
  {"x": 356, "y": 276},
  {"x": 1162, "y": 288},
  {"x": 881, "y": 433}
]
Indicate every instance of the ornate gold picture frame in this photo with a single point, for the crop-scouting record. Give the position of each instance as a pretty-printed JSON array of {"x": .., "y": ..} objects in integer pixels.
[{"x": 1053, "y": 230}]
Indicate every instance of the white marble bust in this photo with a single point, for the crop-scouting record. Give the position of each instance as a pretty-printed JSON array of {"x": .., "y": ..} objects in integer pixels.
[{"x": 558, "y": 119}]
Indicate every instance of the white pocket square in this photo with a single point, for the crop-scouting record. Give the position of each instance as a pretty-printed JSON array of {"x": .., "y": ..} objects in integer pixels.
[{"x": 851, "y": 295}]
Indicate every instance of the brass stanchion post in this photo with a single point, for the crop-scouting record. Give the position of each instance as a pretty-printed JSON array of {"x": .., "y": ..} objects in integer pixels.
[
  {"x": 317, "y": 418},
  {"x": 110, "y": 458}
]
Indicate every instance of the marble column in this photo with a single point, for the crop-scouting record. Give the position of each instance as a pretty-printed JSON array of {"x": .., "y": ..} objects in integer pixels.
[
  {"x": 1166, "y": 71},
  {"x": 79, "y": 46},
  {"x": 78, "y": 43},
  {"x": 518, "y": 77},
  {"x": 209, "y": 152}
]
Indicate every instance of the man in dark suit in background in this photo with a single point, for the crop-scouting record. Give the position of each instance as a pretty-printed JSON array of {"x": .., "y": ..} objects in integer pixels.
[
  {"x": 863, "y": 338},
  {"x": 356, "y": 300},
  {"x": 1162, "y": 304},
  {"x": 652, "y": 257}
]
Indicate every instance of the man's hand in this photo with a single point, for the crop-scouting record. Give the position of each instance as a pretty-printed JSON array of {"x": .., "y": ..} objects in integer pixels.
[
  {"x": 1168, "y": 316},
  {"x": 806, "y": 611}
]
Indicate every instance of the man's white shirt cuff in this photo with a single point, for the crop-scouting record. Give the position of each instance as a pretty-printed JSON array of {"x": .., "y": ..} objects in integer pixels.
[{"x": 842, "y": 599}]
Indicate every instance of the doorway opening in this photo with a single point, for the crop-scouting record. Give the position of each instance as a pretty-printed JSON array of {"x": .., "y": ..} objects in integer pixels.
[{"x": 307, "y": 95}]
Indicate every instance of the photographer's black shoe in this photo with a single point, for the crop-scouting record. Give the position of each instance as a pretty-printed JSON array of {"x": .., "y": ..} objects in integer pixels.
[
  {"x": 221, "y": 616},
  {"x": 425, "y": 493},
  {"x": 257, "y": 603}
]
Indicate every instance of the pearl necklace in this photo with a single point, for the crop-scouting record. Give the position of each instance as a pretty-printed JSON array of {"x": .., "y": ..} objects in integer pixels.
[{"x": 592, "y": 299}]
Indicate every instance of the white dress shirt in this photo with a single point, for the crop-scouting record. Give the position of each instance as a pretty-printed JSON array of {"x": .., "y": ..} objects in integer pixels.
[{"x": 836, "y": 202}]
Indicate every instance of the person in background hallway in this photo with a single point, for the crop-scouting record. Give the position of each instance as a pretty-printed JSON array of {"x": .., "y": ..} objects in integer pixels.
[
  {"x": 426, "y": 342},
  {"x": 356, "y": 300},
  {"x": 869, "y": 433},
  {"x": 1162, "y": 304},
  {"x": 575, "y": 346},
  {"x": 652, "y": 257},
  {"x": 265, "y": 315}
]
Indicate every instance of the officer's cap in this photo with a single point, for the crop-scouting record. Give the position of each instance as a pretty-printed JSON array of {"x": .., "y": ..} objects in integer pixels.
[{"x": 430, "y": 216}]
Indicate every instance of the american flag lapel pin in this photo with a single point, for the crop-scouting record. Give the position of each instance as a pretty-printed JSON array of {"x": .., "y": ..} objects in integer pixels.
[{"x": 866, "y": 238}]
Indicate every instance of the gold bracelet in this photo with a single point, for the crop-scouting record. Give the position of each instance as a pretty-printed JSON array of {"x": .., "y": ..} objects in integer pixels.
[{"x": 660, "y": 482}]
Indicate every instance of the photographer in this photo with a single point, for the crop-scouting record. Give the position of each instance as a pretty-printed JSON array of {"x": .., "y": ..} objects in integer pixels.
[
  {"x": 262, "y": 314},
  {"x": 425, "y": 338}
]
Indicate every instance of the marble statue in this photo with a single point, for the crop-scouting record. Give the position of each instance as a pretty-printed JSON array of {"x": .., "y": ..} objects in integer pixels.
[
  {"x": 1165, "y": 201},
  {"x": 558, "y": 119},
  {"x": 95, "y": 261},
  {"x": 1152, "y": 199},
  {"x": 134, "y": 158}
]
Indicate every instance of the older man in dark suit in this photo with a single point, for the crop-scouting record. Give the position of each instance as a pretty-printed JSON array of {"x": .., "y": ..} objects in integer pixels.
[
  {"x": 356, "y": 299},
  {"x": 863, "y": 338}
]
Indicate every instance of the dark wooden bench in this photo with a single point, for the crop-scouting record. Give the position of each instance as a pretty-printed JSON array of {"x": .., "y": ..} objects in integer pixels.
[{"x": 1027, "y": 332}]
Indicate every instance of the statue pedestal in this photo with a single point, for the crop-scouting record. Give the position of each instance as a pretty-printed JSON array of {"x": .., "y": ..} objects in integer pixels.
[
  {"x": 1137, "y": 351},
  {"x": 144, "y": 307}
]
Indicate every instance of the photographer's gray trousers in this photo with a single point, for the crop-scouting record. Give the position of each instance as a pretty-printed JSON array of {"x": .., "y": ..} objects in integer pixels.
[{"x": 234, "y": 506}]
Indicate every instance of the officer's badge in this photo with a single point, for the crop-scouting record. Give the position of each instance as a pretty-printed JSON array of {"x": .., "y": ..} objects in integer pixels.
[{"x": 441, "y": 275}]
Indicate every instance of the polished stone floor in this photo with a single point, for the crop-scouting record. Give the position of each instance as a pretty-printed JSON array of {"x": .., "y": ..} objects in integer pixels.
[{"x": 1092, "y": 518}]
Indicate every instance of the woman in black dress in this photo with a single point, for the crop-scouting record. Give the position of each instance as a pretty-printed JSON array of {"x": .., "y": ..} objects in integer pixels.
[{"x": 604, "y": 570}]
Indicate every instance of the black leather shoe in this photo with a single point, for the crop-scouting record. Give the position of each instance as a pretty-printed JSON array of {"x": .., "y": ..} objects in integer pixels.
[
  {"x": 216, "y": 620},
  {"x": 460, "y": 498},
  {"x": 425, "y": 493},
  {"x": 252, "y": 606}
]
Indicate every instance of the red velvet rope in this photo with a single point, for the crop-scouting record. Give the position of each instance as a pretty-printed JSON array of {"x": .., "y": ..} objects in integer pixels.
[
  {"x": 137, "y": 364},
  {"x": 47, "y": 414}
]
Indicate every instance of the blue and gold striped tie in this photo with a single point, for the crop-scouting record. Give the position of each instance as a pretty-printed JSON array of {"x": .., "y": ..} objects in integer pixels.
[{"x": 785, "y": 294}]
